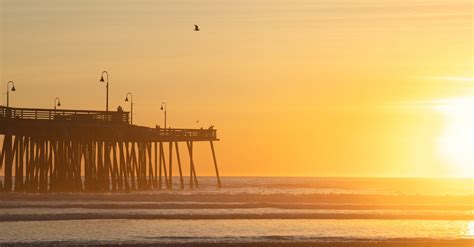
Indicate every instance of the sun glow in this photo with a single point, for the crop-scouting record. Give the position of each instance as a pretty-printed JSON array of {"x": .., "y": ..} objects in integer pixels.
[
  {"x": 470, "y": 229},
  {"x": 456, "y": 142}
]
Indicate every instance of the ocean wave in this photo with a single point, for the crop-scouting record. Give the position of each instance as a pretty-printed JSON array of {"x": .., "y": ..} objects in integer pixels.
[
  {"x": 322, "y": 185},
  {"x": 230, "y": 205},
  {"x": 229, "y": 216},
  {"x": 201, "y": 197}
]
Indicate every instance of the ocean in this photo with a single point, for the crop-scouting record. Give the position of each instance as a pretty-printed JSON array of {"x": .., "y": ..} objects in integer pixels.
[{"x": 251, "y": 211}]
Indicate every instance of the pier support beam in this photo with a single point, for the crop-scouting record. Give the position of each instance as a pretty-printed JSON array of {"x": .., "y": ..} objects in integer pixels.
[
  {"x": 219, "y": 185},
  {"x": 181, "y": 180},
  {"x": 170, "y": 170},
  {"x": 8, "y": 157},
  {"x": 70, "y": 157},
  {"x": 192, "y": 177}
]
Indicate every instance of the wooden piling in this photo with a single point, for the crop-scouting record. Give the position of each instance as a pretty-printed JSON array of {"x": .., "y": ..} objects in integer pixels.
[
  {"x": 170, "y": 170},
  {"x": 219, "y": 185},
  {"x": 91, "y": 151},
  {"x": 181, "y": 180}
]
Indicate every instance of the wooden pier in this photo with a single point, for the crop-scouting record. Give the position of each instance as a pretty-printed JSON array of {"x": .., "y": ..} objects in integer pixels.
[{"x": 47, "y": 150}]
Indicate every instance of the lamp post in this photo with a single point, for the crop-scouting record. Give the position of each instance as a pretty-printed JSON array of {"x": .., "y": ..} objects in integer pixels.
[
  {"x": 131, "y": 106},
  {"x": 163, "y": 108},
  {"x": 107, "y": 88},
  {"x": 8, "y": 91},
  {"x": 56, "y": 103}
]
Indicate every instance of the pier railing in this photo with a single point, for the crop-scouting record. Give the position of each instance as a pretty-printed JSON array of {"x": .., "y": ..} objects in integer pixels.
[
  {"x": 70, "y": 115},
  {"x": 197, "y": 133},
  {"x": 101, "y": 116}
]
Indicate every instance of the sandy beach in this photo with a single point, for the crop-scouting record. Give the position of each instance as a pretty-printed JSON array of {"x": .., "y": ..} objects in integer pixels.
[{"x": 348, "y": 243}]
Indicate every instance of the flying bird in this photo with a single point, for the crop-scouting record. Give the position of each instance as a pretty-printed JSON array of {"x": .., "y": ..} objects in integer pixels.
[{"x": 196, "y": 27}]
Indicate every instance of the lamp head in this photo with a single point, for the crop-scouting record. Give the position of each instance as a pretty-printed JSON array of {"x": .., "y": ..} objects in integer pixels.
[
  {"x": 13, "y": 88},
  {"x": 59, "y": 103},
  {"x": 102, "y": 78},
  {"x": 126, "y": 99},
  {"x": 161, "y": 107}
]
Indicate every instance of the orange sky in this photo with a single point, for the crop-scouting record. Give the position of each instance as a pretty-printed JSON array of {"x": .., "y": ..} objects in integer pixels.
[{"x": 295, "y": 87}]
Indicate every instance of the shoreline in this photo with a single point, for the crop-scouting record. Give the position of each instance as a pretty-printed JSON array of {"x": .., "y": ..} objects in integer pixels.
[{"x": 311, "y": 243}]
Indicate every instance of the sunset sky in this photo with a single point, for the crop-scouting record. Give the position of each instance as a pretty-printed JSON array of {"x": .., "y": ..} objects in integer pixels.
[{"x": 294, "y": 87}]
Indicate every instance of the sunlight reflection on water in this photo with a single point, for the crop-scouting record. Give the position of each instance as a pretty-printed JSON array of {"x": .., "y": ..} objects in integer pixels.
[
  {"x": 470, "y": 229},
  {"x": 230, "y": 230}
]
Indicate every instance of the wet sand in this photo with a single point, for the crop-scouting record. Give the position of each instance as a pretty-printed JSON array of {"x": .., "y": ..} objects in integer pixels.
[{"x": 325, "y": 243}]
